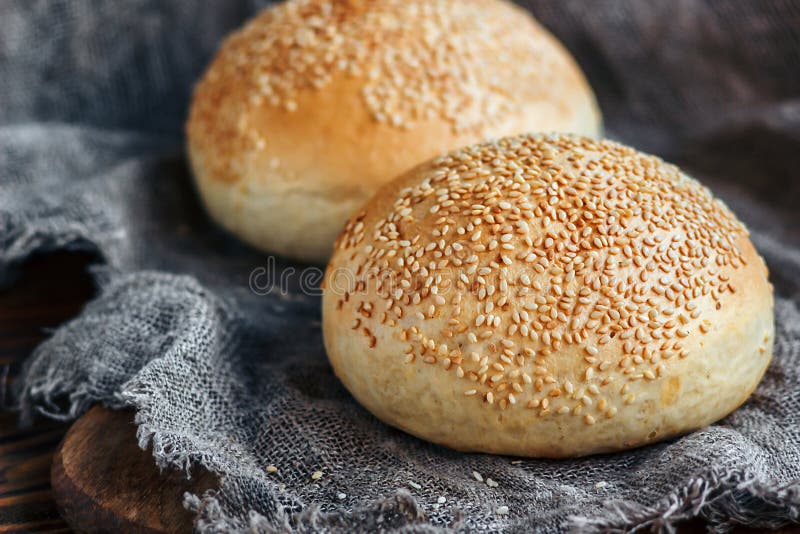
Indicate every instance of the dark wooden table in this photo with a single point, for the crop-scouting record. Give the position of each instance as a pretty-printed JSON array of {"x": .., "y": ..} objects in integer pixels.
[{"x": 51, "y": 290}]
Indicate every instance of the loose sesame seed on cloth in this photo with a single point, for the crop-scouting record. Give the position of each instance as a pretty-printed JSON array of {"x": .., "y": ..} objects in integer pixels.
[{"x": 93, "y": 97}]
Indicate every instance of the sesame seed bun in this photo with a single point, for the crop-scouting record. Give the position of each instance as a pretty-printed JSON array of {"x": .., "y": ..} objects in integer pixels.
[
  {"x": 547, "y": 296},
  {"x": 313, "y": 105}
]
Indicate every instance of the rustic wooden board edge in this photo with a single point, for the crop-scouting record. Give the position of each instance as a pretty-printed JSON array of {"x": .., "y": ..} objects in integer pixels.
[
  {"x": 103, "y": 482},
  {"x": 79, "y": 510}
]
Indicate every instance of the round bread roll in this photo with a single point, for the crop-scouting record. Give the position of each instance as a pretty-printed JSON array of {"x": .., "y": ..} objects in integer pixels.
[
  {"x": 313, "y": 105},
  {"x": 547, "y": 296}
]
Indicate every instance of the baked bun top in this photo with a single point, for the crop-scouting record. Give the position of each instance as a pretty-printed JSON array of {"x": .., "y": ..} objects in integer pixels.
[
  {"x": 476, "y": 68},
  {"x": 550, "y": 272}
]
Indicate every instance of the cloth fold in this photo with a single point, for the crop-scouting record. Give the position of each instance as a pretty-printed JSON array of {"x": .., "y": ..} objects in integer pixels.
[{"x": 230, "y": 377}]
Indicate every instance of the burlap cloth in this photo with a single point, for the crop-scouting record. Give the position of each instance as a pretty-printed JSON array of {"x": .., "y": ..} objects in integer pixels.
[{"x": 93, "y": 95}]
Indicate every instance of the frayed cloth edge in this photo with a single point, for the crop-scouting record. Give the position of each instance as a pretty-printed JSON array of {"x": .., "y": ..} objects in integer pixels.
[{"x": 715, "y": 497}]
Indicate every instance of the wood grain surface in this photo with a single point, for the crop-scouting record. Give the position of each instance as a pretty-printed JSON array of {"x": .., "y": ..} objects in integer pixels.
[
  {"x": 51, "y": 290},
  {"x": 103, "y": 481}
]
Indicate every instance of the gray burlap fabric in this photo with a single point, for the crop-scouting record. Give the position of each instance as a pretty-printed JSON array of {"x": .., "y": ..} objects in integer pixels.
[{"x": 92, "y": 99}]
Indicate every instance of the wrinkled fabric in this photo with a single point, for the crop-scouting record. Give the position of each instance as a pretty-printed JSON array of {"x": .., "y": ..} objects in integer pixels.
[{"x": 233, "y": 378}]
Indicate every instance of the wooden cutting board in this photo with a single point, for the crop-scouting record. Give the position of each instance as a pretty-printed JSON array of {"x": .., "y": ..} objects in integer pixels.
[{"x": 103, "y": 482}]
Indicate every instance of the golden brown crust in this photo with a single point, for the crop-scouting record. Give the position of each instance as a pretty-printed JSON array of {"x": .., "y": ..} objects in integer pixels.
[
  {"x": 547, "y": 296},
  {"x": 281, "y": 114}
]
